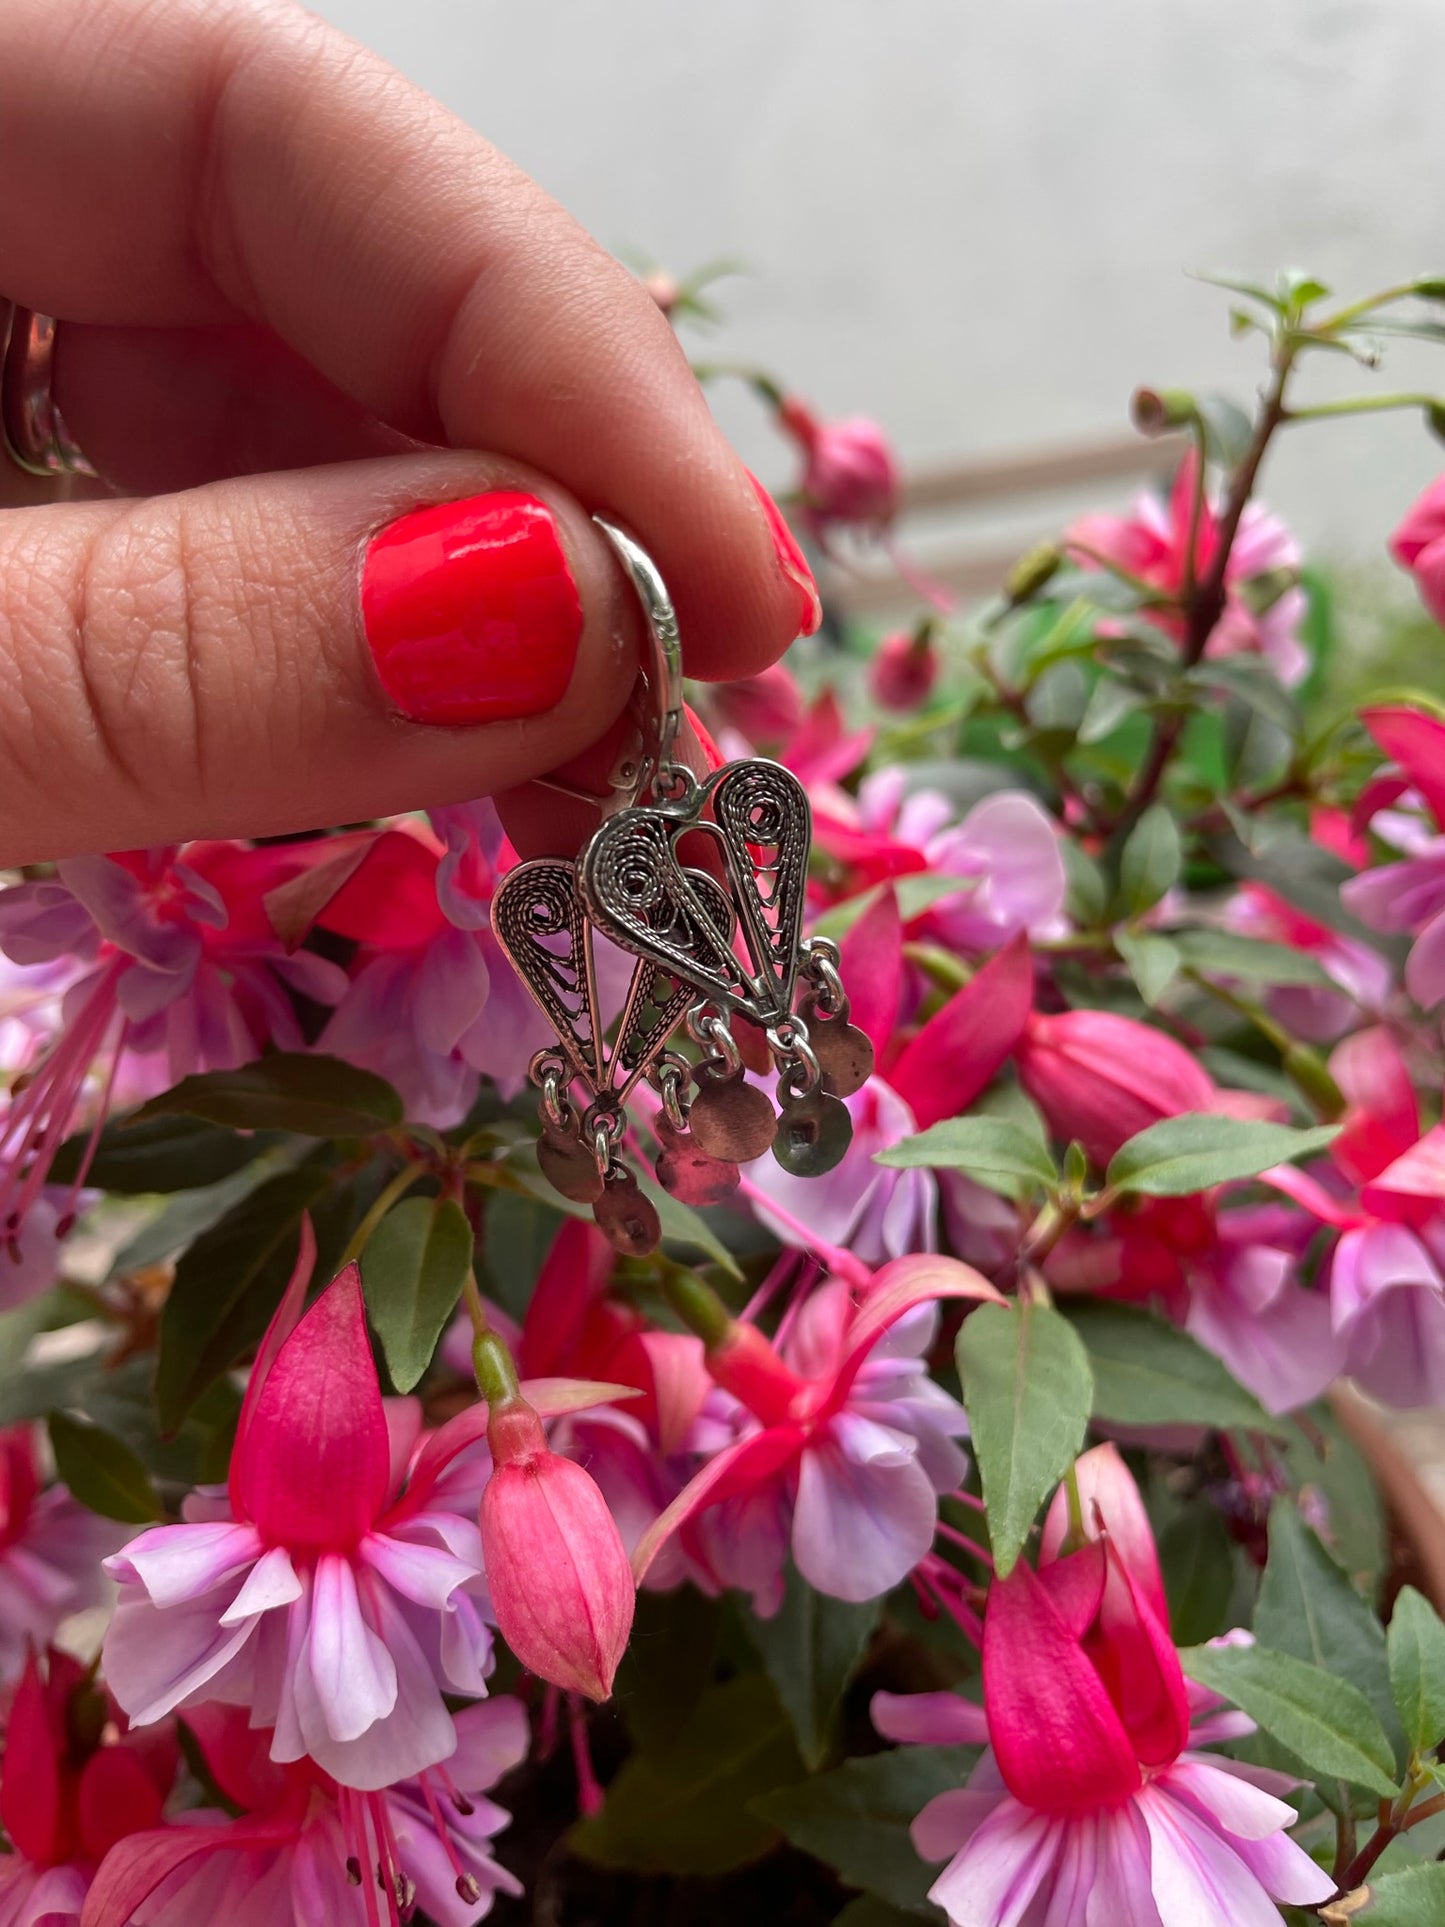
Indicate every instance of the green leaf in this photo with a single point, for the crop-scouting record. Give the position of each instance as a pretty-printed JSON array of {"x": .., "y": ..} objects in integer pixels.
[
  {"x": 1221, "y": 953},
  {"x": 1255, "y": 684},
  {"x": 668, "y": 1665},
  {"x": 1413, "y": 1897},
  {"x": 1181, "y": 1155},
  {"x": 287, "y": 1091},
  {"x": 1308, "y": 1608},
  {"x": 1197, "y": 1558},
  {"x": 1110, "y": 703},
  {"x": 1325, "y": 1722},
  {"x": 866, "y": 1911},
  {"x": 1227, "y": 429},
  {"x": 412, "y": 1272},
  {"x": 1027, "y": 1388},
  {"x": 227, "y": 1285},
  {"x": 1087, "y": 897},
  {"x": 159, "y": 1154},
  {"x": 186, "y": 1214},
  {"x": 856, "y": 1819},
  {"x": 685, "y": 1809},
  {"x": 994, "y": 1150},
  {"x": 1149, "y": 1372},
  {"x": 1417, "y": 1669},
  {"x": 810, "y": 1649},
  {"x": 681, "y": 1225},
  {"x": 101, "y": 1472},
  {"x": 1153, "y": 961},
  {"x": 1151, "y": 860}
]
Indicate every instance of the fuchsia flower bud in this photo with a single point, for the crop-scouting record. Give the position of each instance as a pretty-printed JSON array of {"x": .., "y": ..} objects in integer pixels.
[
  {"x": 851, "y": 476},
  {"x": 904, "y": 669},
  {"x": 559, "y": 1577},
  {"x": 1102, "y": 1079},
  {"x": 1419, "y": 546}
]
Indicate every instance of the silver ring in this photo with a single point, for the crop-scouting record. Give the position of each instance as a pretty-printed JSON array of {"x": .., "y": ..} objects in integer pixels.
[
  {"x": 32, "y": 430},
  {"x": 663, "y": 675}
]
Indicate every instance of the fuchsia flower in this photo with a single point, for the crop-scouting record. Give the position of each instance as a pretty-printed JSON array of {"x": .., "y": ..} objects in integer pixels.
[
  {"x": 431, "y": 1003},
  {"x": 305, "y": 1850},
  {"x": 842, "y": 1443},
  {"x": 50, "y": 1552},
  {"x": 1005, "y": 853},
  {"x": 560, "y": 1582},
  {"x": 1092, "y": 1798},
  {"x": 851, "y": 477},
  {"x": 331, "y": 1593},
  {"x": 1410, "y": 896},
  {"x": 72, "y": 1785},
  {"x": 1418, "y": 545},
  {"x": 180, "y": 972},
  {"x": 1312, "y": 1012},
  {"x": 904, "y": 669},
  {"x": 1152, "y": 547},
  {"x": 868, "y": 1209}
]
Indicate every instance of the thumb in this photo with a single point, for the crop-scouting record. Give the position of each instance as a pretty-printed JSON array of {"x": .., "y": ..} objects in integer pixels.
[{"x": 286, "y": 652}]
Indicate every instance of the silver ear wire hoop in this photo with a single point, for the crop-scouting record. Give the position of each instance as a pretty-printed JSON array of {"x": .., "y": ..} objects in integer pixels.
[
  {"x": 31, "y": 429},
  {"x": 663, "y": 674}
]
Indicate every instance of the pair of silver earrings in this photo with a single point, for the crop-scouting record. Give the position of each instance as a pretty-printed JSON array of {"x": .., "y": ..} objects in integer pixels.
[{"x": 703, "y": 883}]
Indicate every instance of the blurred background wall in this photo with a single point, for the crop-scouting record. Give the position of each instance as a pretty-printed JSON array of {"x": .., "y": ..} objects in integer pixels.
[{"x": 974, "y": 221}]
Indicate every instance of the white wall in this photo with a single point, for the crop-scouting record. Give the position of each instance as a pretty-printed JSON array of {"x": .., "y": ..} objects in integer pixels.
[{"x": 972, "y": 217}]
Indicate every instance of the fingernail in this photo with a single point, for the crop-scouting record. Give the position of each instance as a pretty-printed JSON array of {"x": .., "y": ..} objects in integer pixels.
[
  {"x": 471, "y": 611},
  {"x": 792, "y": 561}
]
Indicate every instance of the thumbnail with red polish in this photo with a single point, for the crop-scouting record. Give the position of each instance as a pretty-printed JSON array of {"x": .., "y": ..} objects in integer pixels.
[
  {"x": 470, "y": 610},
  {"x": 791, "y": 560}
]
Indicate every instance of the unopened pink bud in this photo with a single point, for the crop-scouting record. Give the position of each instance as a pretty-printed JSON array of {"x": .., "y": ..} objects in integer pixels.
[
  {"x": 903, "y": 671},
  {"x": 1102, "y": 1078},
  {"x": 559, "y": 1578}
]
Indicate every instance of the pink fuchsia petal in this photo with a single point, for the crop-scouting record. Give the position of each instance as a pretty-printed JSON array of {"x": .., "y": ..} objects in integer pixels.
[
  {"x": 949, "y": 1821},
  {"x": 1383, "y": 1120},
  {"x": 427, "y": 1575},
  {"x": 897, "y": 1289},
  {"x": 1139, "y": 1666},
  {"x": 962, "y": 1048},
  {"x": 1058, "y": 1739},
  {"x": 134, "y": 1868},
  {"x": 1411, "y": 737},
  {"x": 871, "y": 965},
  {"x": 1009, "y": 843},
  {"x": 271, "y": 1582},
  {"x": 116, "y": 1797},
  {"x": 1110, "y": 1503},
  {"x": 283, "y": 1322},
  {"x": 317, "y": 1454},
  {"x": 1422, "y": 524},
  {"x": 1412, "y": 1189},
  {"x": 929, "y": 1719},
  {"x": 492, "y": 1738},
  {"x": 1233, "y": 1803},
  {"x": 573, "y": 1277},
  {"x": 1425, "y": 966},
  {"x": 1195, "y": 1872},
  {"x": 179, "y": 1563},
  {"x": 153, "y": 1668},
  {"x": 992, "y": 1882},
  {"x": 1075, "y": 1586},
  {"x": 350, "y": 1668},
  {"x": 737, "y": 1469},
  {"x": 861, "y": 1520},
  {"x": 30, "y": 1788}
]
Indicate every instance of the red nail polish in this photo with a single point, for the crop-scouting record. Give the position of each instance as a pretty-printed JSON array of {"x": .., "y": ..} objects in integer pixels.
[
  {"x": 471, "y": 610},
  {"x": 792, "y": 560}
]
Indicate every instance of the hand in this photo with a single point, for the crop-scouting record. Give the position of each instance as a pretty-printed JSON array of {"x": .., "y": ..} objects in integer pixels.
[{"x": 300, "y": 302}]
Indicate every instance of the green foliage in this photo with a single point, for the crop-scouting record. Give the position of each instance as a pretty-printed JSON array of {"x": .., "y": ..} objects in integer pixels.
[
  {"x": 668, "y": 1665},
  {"x": 1416, "y": 1648},
  {"x": 693, "y": 1806},
  {"x": 1151, "y": 860},
  {"x": 1413, "y": 1897},
  {"x": 157, "y": 1154},
  {"x": 1149, "y": 1372},
  {"x": 101, "y": 1472},
  {"x": 316, "y": 1096},
  {"x": 1028, "y": 1390},
  {"x": 412, "y": 1272},
  {"x": 1181, "y": 1155},
  {"x": 810, "y": 1649},
  {"x": 1325, "y": 1722},
  {"x": 856, "y": 1819},
  {"x": 994, "y": 1151},
  {"x": 1197, "y": 1560}
]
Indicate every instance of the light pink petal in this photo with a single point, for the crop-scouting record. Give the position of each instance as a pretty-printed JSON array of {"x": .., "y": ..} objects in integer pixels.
[
  {"x": 1121, "y": 1891},
  {"x": 860, "y": 1528},
  {"x": 421, "y": 1573},
  {"x": 491, "y": 1739},
  {"x": 153, "y": 1664},
  {"x": 963, "y": 1047},
  {"x": 929, "y": 1719},
  {"x": 993, "y": 1880},
  {"x": 1111, "y": 1504},
  {"x": 1284, "y": 1869},
  {"x": 1195, "y": 1874},
  {"x": 179, "y": 1563},
  {"x": 451, "y": 990},
  {"x": 271, "y": 1582},
  {"x": 1238, "y": 1806},
  {"x": 899, "y": 1288},
  {"x": 949, "y": 1821},
  {"x": 1425, "y": 966},
  {"x": 350, "y": 1668}
]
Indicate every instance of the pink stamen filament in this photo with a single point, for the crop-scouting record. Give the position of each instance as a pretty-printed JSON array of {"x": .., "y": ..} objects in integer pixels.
[
  {"x": 841, "y": 1263},
  {"x": 965, "y": 1544},
  {"x": 590, "y": 1796},
  {"x": 40, "y": 1113},
  {"x": 466, "y": 1883}
]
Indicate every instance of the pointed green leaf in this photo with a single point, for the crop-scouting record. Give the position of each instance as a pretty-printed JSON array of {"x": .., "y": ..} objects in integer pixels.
[
  {"x": 993, "y": 1150},
  {"x": 1416, "y": 1645},
  {"x": 158, "y": 1154},
  {"x": 1325, "y": 1722},
  {"x": 1151, "y": 860},
  {"x": 317, "y": 1096},
  {"x": 1412, "y": 1897},
  {"x": 1027, "y": 1388},
  {"x": 1181, "y": 1155},
  {"x": 1223, "y": 953},
  {"x": 685, "y": 1810},
  {"x": 856, "y": 1819},
  {"x": 1153, "y": 961},
  {"x": 1149, "y": 1372},
  {"x": 810, "y": 1649},
  {"x": 102, "y": 1472},
  {"x": 412, "y": 1272}
]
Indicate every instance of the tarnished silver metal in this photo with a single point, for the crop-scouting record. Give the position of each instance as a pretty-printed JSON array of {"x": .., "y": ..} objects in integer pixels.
[
  {"x": 31, "y": 427},
  {"x": 813, "y": 1135},
  {"x": 663, "y": 675}
]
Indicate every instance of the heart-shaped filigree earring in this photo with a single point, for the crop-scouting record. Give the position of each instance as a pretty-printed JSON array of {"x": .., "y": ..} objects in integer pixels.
[{"x": 718, "y": 937}]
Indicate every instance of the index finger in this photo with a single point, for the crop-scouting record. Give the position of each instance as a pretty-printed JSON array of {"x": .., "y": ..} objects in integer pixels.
[{"x": 213, "y": 159}]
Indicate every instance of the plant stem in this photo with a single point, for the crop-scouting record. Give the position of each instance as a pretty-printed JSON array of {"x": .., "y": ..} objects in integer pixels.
[
  {"x": 1206, "y": 604},
  {"x": 397, "y": 1188},
  {"x": 1320, "y": 411}
]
